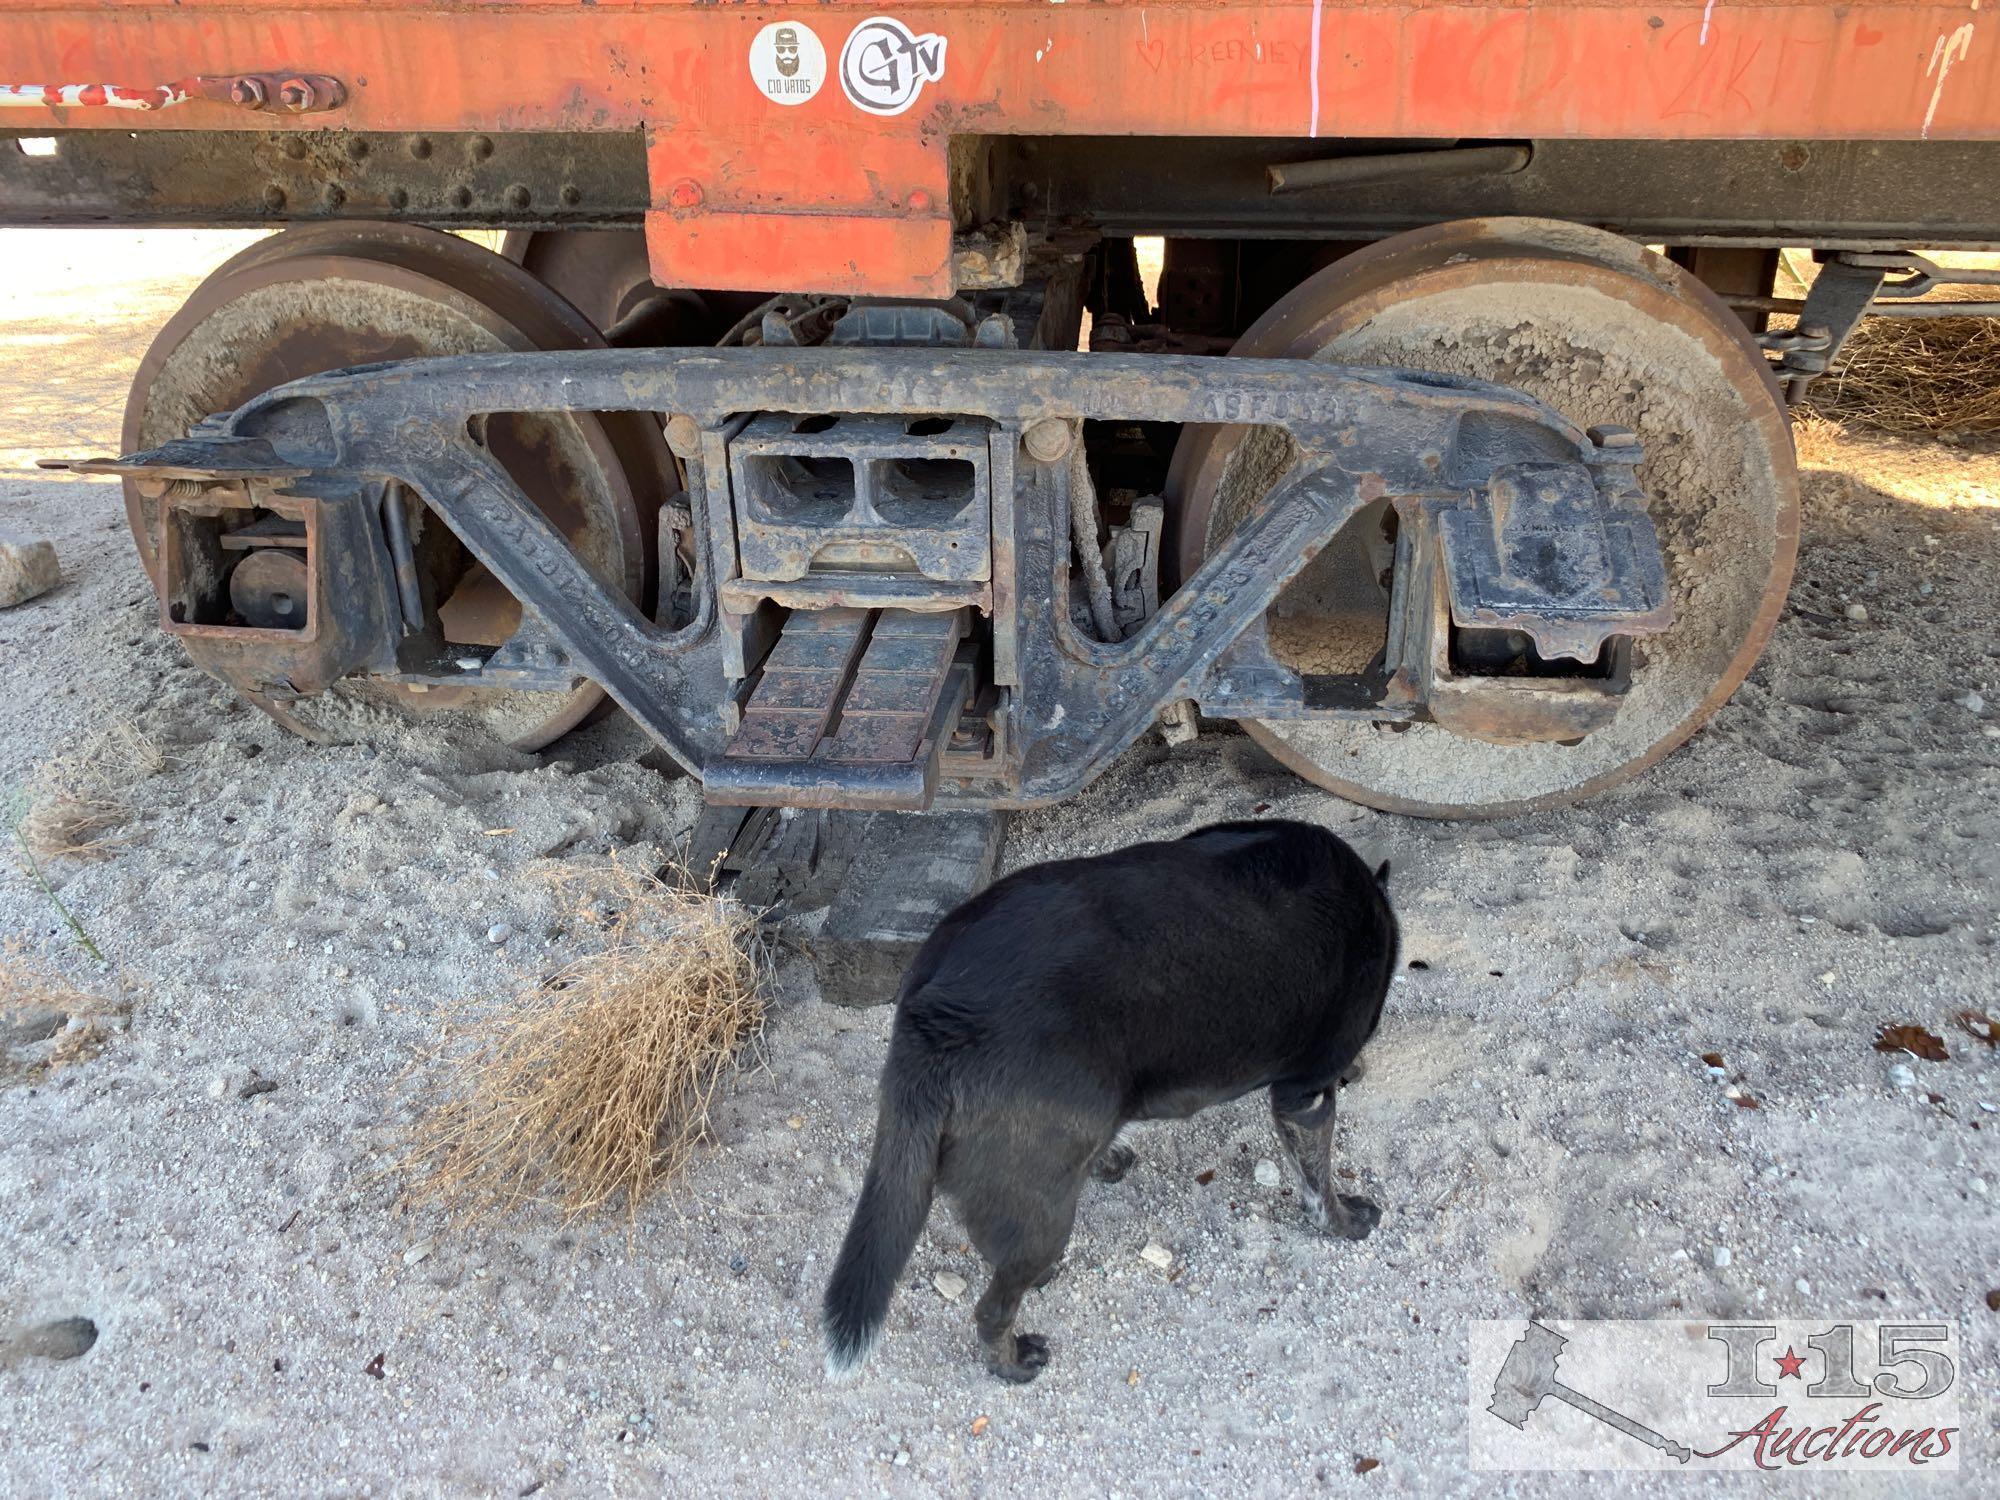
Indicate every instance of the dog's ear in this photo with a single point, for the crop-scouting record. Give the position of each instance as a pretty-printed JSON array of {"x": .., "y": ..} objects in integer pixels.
[{"x": 1382, "y": 874}]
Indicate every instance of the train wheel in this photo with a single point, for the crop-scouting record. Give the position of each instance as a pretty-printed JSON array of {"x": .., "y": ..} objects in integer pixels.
[
  {"x": 606, "y": 275},
  {"x": 1604, "y": 331},
  {"x": 321, "y": 298}
]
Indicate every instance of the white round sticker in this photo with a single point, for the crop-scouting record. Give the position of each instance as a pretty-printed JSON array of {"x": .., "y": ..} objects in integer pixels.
[{"x": 787, "y": 62}]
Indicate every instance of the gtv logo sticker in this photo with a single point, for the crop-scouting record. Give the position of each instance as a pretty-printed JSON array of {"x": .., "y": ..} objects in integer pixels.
[{"x": 885, "y": 65}]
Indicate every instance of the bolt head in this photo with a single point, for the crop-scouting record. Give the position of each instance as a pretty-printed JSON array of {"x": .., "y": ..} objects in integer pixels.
[
  {"x": 248, "y": 92},
  {"x": 1047, "y": 439},
  {"x": 683, "y": 435},
  {"x": 297, "y": 95}
]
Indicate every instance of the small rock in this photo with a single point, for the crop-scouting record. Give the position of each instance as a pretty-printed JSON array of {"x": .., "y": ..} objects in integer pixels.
[
  {"x": 1266, "y": 1173},
  {"x": 1156, "y": 1254},
  {"x": 28, "y": 568},
  {"x": 949, "y": 1286},
  {"x": 417, "y": 1253},
  {"x": 1802, "y": 1287},
  {"x": 1722, "y": 1257},
  {"x": 65, "y": 1338},
  {"x": 499, "y": 932},
  {"x": 218, "y": 1086},
  {"x": 258, "y": 1084},
  {"x": 1902, "y": 1077},
  {"x": 1971, "y": 702},
  {"x": 1858, "y": 613},
  {"x": 739, "y": 1264}
]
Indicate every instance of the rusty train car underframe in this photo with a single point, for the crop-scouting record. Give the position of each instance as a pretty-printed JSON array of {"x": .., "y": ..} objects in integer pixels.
[{"x": 778, "y": 422}]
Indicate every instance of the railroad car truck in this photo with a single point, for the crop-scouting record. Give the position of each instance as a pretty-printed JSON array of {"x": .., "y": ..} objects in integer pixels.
[{"x": 815, "y": 406}]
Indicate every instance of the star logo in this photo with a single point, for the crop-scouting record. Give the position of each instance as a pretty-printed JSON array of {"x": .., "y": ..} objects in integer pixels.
[{"x": 1790, "y": 1363}]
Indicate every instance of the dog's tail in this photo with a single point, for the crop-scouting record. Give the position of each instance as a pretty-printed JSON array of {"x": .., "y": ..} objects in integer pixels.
[{"x": 895, "y": 1201}]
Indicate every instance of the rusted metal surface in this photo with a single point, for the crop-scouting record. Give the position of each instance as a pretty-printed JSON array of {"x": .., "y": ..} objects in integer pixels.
[
  {"x": 851, "y": 708},
  {"x": 1843, "y": 194},
  {"x": 338, "y": 295},
  {"x": 1542, "y": 553},
  {"x": 895, "y": 499},
  {"x": 1506, "y": 710},
  {"x": 840, "y": 177},
  {"x": 347, "y": 620},
  {"x": 289, "y": 93},
  {"x": 1068, "y": 702}
]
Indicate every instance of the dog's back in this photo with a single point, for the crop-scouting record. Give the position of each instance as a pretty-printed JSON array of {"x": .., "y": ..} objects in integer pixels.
[{"x": 1075, "y": 996}]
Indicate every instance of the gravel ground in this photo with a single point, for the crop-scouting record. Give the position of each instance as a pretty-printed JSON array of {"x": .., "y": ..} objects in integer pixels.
[{"x": 1536, "y": 1117}]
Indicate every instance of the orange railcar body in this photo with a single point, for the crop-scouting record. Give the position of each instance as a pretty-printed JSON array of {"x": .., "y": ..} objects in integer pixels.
[{"x": 830, "y": 166}]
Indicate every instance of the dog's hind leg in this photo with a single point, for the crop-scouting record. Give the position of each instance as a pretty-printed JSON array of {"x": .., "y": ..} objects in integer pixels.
[
  {"x": 1114, "y": 1161},
  {"x": 1023, "y": 1235},
  {"x": 1304, "y": 1118}
]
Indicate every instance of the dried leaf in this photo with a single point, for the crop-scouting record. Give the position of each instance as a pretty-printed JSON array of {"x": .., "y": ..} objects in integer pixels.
[
  {"x": 374, "y": 1367},
  {"x": 1743, "y": 1101},
  {"x": 1205, "y": 1178},
  {"x": 1906, "y": 1037},
  {"x": 1363, "y": 1465},
  {"x": 1713, "y": 1059},
  {"x": 980, "y": 1424},
  {"x": 1980, "y": 1027},
  {"x": 1993, "y": 1300}
]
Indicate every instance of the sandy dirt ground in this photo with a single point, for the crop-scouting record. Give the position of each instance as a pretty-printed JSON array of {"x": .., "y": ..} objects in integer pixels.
[{"x": 1536, "y": 1117}]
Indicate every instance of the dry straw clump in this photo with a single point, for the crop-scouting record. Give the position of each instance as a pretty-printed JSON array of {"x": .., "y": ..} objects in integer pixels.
[
  {"x": 80, "y": 803},
  {"x": 1909, "y": 376},
  {"x": 593, "y": 1086},
  {"x": 1916, "y": 375},
  {"x": 47, "y": 1023}
]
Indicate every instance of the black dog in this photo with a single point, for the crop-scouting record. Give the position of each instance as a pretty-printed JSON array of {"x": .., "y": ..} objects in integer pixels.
[{"x": 1071, "y": 998}]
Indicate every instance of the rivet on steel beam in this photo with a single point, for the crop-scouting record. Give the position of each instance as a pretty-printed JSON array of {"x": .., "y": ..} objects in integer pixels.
[
  {"x": 1046, "y": 440},
  {"x": 685, "y": 194},
  {"x": 683, "y": 435},
  {"x": 919, "y": 201}
]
